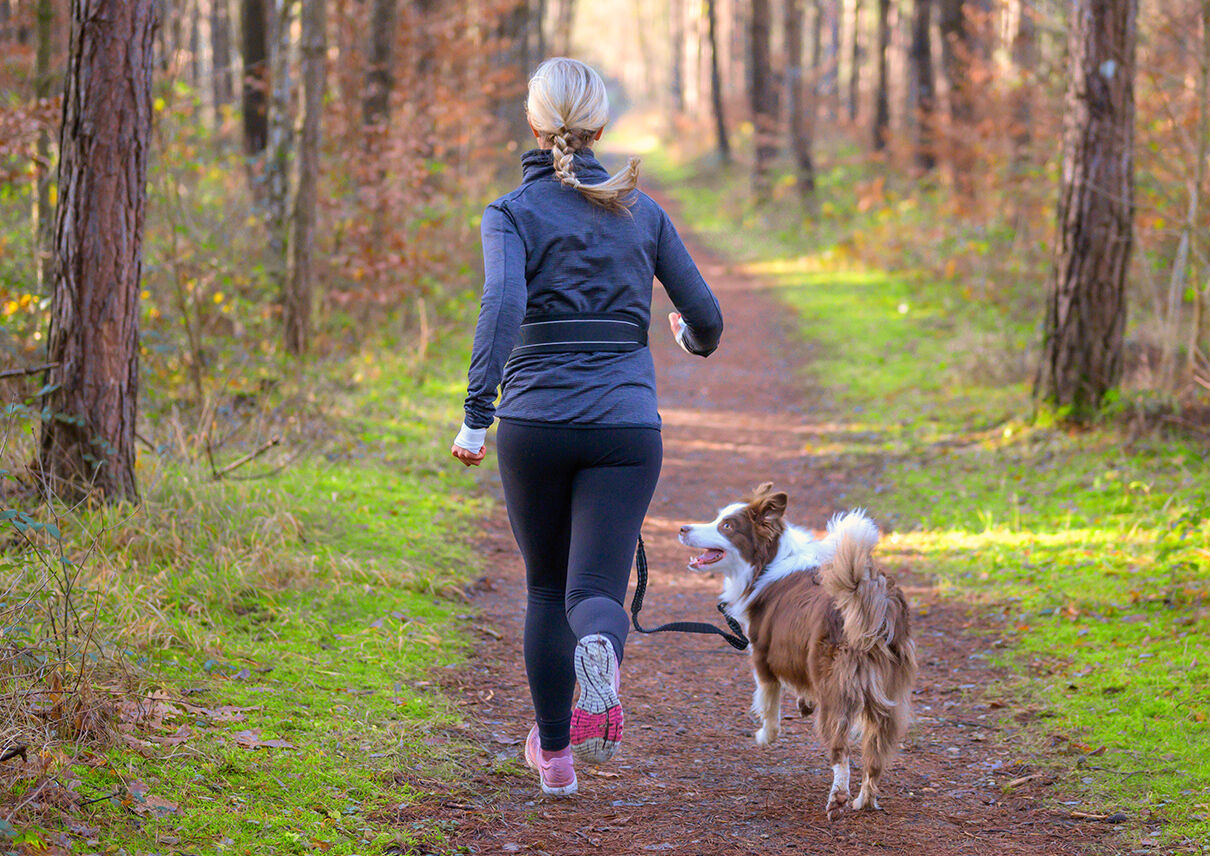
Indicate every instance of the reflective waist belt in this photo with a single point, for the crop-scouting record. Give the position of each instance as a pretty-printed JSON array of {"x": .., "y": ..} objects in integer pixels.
[{"x": 609, "y": 331}]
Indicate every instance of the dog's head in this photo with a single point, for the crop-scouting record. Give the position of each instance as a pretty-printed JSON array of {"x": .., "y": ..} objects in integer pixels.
[{"x": 743, "y": 539}]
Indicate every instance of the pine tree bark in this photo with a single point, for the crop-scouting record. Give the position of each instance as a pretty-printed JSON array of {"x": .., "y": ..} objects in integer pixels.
[
  {"x": 256, "y": 75},
  {"x": 921, "y": 55},
  {"x": 88, "y": 444},
  {"x": 1086, "y": 307},
  {"x": 716, "y": 85},
  {"x": 296, "y": 309},
  {"x": 762, "y": 95},
  {"x": 882, "y": 106},
  {"x": 380, "y": 74},
  {"x": 800, "y": 103}
]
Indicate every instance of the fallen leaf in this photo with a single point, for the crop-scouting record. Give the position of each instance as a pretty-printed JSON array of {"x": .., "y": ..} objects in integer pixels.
[{"x": 252, "y": 740}]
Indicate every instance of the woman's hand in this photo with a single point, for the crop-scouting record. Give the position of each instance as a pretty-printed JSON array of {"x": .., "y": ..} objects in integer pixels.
[
  {"x": 674, "y": 321},
  {"x": 468, "y": 458}
]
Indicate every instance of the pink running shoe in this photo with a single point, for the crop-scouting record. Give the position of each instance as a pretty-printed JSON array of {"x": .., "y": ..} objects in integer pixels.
[
  {"x": 555, "y": 769},
  {"x": 597, "y": 719}
]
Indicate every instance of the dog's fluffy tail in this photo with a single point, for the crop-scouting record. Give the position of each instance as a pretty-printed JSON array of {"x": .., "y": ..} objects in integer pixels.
[{"x": 879, "y": 654}]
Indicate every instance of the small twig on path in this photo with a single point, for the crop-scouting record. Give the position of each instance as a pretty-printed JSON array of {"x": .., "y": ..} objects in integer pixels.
[
  {"x": 1015, "y": 782},
  {"x": 254, "y": 454}
]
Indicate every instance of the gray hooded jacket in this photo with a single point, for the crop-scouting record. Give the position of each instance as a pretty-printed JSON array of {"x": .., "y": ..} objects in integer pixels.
[{"x": 547, "y": 250}]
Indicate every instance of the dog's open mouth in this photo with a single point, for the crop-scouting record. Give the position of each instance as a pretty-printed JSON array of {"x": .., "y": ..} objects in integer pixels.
[{"x": 707, "y": 557}]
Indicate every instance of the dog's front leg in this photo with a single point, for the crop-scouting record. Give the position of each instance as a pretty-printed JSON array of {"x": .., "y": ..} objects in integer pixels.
[{"x": 766, "y": 706}]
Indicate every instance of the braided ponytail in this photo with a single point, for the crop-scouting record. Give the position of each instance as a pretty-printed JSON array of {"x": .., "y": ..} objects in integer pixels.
[{"x": 567, "y": 106}]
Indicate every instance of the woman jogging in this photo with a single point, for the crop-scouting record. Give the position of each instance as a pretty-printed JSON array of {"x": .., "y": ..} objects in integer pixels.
[{"x": 569, "y": 258}]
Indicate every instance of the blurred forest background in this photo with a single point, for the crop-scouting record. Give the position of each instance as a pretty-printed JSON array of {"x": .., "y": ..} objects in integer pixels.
[{"x": 239, "y": 257}]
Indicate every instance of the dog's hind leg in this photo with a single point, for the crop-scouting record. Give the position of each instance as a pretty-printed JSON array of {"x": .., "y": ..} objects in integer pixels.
[
  {"x": 806, "y": 706},
  {"x": 766, "y": 706},
  {"x": 876, "y": 748},
  {"x": 834, "y": 732}
]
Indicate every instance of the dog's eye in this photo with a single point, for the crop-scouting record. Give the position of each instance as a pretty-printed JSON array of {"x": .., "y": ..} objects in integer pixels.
[{"x": 726, "y": 524}]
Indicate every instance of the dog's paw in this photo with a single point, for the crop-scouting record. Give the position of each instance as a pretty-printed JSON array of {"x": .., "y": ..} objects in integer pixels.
[
  {"x": 766, "y": 735},
  {"x": 866, "y": 800},
  {"x": 836, "y": 803},
  {"x": 805, "y": 706}
]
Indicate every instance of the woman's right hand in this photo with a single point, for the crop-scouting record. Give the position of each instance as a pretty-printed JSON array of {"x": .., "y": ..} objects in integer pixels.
[
  {"x": 468, "y": 458},
  {"x": 674, "y": 321}
]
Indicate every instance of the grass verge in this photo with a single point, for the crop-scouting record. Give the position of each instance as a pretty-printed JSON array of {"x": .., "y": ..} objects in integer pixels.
[
  {"x": 1091, "y": 548},
  {"x": 280, "y": 641}
]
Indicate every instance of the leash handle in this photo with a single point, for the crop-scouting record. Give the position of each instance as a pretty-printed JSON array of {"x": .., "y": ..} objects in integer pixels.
[{"x": 736, "y": 638}]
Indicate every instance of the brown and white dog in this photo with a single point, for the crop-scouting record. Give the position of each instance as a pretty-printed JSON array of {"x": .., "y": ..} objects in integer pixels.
[{"x": 824, "y": 622}]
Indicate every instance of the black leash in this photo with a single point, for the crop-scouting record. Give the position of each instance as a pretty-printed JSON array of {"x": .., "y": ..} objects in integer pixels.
[{"x": 736, "y": 638}]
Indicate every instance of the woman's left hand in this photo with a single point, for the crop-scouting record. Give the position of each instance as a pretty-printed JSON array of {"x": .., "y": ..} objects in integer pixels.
[{"x": 468, "y": 458}]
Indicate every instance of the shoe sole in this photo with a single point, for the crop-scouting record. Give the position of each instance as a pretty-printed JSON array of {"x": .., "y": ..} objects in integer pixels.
[{"x": 597, "y": 719}]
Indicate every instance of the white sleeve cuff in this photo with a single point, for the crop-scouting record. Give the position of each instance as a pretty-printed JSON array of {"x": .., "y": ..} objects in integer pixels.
[
  {"x": 681, "y": 327},
  {"x": 471, "y": 439}
]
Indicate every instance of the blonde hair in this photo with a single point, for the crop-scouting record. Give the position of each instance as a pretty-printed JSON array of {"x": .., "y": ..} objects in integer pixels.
[{"x": 567, "y": 105}]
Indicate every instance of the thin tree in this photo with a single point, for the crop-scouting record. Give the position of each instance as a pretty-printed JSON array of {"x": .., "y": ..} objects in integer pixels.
[
  {"x": 220, "y": 50},
  {"x": 256, "y": 75},
  {"x": 94, "y": 322},
  {"x": 762, "y": 95},
  {"x": 1025, "y": 59},
  {"x": 800, "y": 103},
  {"x": 43, "y": 89},
  {"x": 1086, "y": 306},
  {"x": 296, "y": 308},
  {"x": 921, "y": 55},
  {"x": 882, "y": 108},
  {"x": 856, "y": 57},
  {"x": 280, "y": 150},
  {"x": 380, "y": 77},
  {"x": 676, "y": 81},
  {"x": 956, "y": 54},
  {"x": 716, "y": 84}
]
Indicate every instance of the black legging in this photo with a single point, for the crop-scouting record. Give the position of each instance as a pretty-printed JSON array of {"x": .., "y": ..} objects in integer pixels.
[{"x": 576, "y": 499}]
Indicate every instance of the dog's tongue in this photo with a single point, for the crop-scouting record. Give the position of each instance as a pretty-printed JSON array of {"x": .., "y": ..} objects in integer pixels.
[{"x": 708, "y": 557}]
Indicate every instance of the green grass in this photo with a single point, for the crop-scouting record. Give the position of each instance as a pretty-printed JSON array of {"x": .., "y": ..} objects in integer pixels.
[
  {"x": 1091, "y": 547},
  {"x": 317, "y": 607}
]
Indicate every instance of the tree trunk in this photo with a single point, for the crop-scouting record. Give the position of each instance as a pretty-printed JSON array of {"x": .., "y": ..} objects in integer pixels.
[
  {"x": 716, "y": 84},
  {"x": 220, "y": 48},
  {"x": 93, "y": 340},
  {"x": 380, "y": 73},
  {"x": 799, "y": 103},
  {"x": 956, "y": 62},
  {"x": 922, "y": 80},
  {"x": 280, "y": 149},
  {"x": 882, "y": 108},
  {"x": 1086, "y": 308},
  {"x": 43, "y": 88},
  {"x": 763, "y": 97},
  {"x": 855, "y": 59},
  {"x": 256, "y": 75},
  {"x": 564, "y": 18},
  {"x": 297, "y": 304},
  {"x": 677, "y": 77},
  {"x": 831, "y": 69},
  {"x": 1025, "y": 60}
]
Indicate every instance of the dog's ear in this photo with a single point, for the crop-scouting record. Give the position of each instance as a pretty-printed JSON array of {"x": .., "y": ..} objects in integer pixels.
[{"x": 773, "y": 506}]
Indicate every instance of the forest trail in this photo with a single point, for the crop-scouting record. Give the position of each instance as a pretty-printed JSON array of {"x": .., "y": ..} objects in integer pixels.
[{"x": 690, "y": 779}]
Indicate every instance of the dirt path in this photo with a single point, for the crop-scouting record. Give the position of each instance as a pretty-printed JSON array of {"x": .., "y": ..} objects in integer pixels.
[{"x": 690, "y": 780}]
